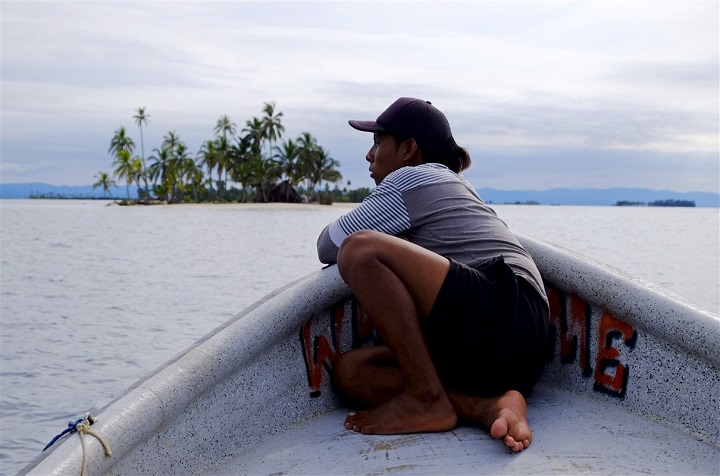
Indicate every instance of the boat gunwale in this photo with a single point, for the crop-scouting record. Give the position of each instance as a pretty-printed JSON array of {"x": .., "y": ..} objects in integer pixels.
[
  {"x": 153, "y": 400},
  {"x": 597, "y": 282}
]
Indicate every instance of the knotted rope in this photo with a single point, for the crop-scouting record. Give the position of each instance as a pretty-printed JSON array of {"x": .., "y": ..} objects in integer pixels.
[{"x": 82, "y": 426}]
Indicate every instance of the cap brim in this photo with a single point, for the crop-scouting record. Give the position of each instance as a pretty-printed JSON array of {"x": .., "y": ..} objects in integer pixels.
[{"x": 366, "y": 126}]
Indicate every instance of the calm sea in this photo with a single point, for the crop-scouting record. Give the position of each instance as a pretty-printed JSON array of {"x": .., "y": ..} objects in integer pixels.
[{"x": 94, "y": 296}]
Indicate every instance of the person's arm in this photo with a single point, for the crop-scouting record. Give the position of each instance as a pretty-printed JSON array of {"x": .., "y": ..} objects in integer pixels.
[
  {"x": 327, "y": 250},
  {"x": 384, "y": 210}
]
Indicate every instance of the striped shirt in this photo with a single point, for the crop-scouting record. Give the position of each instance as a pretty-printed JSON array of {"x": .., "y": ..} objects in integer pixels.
[{"x": 435, "y": 208}]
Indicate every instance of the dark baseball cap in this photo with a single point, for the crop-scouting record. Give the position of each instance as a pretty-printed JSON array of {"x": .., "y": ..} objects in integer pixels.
[{"x": 412, "y": 118}]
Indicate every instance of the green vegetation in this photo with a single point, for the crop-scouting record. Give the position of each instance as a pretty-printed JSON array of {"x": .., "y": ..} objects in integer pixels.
[
  {"x": 61, "y": 196},
  {"x": 254, "y": 165},
  {"x": 629, "y": 203},
  {"x": 672, "y": 203},
  {"x": 656, "y": 203},
  {"x": 105, "y": 181}
]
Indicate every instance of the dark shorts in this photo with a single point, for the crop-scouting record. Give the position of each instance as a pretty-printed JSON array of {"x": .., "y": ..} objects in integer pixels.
[{"x": 487, "y": 330}]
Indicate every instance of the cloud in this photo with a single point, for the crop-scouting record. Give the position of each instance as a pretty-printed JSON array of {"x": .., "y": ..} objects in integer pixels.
[
  {"x": 543, "y": 83},
  {"x": 584, "y": 168}
]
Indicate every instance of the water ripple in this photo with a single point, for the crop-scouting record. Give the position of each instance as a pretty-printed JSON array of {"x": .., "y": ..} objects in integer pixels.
[{"x": 95, "y": 297}]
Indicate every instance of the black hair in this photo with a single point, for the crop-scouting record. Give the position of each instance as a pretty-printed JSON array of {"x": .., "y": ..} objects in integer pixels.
[{"x": 454, "y": 157}]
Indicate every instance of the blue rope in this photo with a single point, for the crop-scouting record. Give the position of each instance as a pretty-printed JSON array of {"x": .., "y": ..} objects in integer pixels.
[{"x": 71, "y": 428}]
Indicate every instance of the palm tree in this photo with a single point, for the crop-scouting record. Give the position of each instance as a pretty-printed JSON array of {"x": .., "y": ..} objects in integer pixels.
[
  {"x": 306, "y": 141},
  {"x": 177, "y": 160},
  {"x": 307, "y": 146},
  {"x": 329, "y": 168},
  {"x": 173, "y": 150},
  {"x": 192, "y": 172},
  {"x": 170, "y": 141},
  {"x": 243, "y": 174},
  {"x": 324, "y": 168},
  {"x": 248, "y": 162},
  {"x": 286, "y": 157},
  {"x": 271, "y": 124},
  {"x": 262, "y": 174},
  {"x": 209, "y": 157},
  {"x": 217, "y": 154},
  {"x": 239, "y": 160},
  {"x": 121, "y": 141},
  {"x": 105, "y": 181},
  {"x": 162, "y": 167},
  {"x": 141, "y": 117},
  {"x": 124, "y": 168},
  {"x": 138, "y": 172},
  {"x": 224, "y": 127},
  {"x": 254, "y": 134},
  {"x": 223, "y": 161}
]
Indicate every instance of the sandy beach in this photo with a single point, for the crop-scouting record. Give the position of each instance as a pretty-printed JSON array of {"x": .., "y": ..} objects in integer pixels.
[{"x": 262, "y": 206}]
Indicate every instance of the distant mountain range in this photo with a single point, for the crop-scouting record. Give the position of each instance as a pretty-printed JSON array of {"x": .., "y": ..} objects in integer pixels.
[
  {"x": 556, "y": 196},
  {"x": 27, "y": 190}
]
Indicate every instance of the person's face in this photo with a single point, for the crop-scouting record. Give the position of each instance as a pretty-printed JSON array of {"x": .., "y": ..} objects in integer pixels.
[{"x": 384, "y": 156}]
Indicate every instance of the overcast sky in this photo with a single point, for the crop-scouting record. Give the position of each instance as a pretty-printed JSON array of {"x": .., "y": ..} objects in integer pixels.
[{"x": 543, "y": 94}]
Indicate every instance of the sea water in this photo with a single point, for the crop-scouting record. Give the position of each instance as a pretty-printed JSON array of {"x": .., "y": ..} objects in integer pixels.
[{"x": 93, "y": 296}]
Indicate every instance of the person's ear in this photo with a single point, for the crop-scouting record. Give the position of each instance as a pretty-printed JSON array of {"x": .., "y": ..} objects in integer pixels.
[{"x": 411, "y": 152}]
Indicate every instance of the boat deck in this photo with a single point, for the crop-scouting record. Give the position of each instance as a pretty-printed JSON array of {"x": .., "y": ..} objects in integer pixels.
[{"x": 572, "y": 434}]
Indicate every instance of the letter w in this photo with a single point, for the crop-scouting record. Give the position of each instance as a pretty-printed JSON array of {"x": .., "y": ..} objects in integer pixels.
[{"x": 317, "y": 351}]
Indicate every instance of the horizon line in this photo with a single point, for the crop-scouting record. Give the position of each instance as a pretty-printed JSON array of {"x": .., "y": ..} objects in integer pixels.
[{"x": 477, "y": 188}]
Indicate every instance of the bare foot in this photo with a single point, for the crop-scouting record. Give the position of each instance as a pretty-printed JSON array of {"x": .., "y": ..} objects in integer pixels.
[
  {"x": 505, "y": 416},
  {"x": 404, "y": 414},
  {"x": 510, "y": 423}
]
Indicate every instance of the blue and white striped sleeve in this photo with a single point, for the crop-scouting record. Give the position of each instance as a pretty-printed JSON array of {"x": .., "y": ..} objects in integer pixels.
[{"x": 383, "y": 210}]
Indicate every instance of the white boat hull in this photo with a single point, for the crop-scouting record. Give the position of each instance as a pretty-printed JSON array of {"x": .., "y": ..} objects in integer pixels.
[{"x": 633, "y": 372}]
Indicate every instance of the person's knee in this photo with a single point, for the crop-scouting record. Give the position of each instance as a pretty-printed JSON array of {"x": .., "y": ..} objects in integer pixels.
[
  {"x": 358, "y": 249},
  {"x": 362, "y": 241}
]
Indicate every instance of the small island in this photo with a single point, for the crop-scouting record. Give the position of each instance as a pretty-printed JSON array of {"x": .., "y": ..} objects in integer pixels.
[
  {"x": 656, "y": 203},
  {"x": 252, "y": 165},
  {"x": 672, "y": 203}
]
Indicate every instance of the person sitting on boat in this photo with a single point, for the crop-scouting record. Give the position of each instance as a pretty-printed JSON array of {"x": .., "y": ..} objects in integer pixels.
[{"x": 457, "y": 303}]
